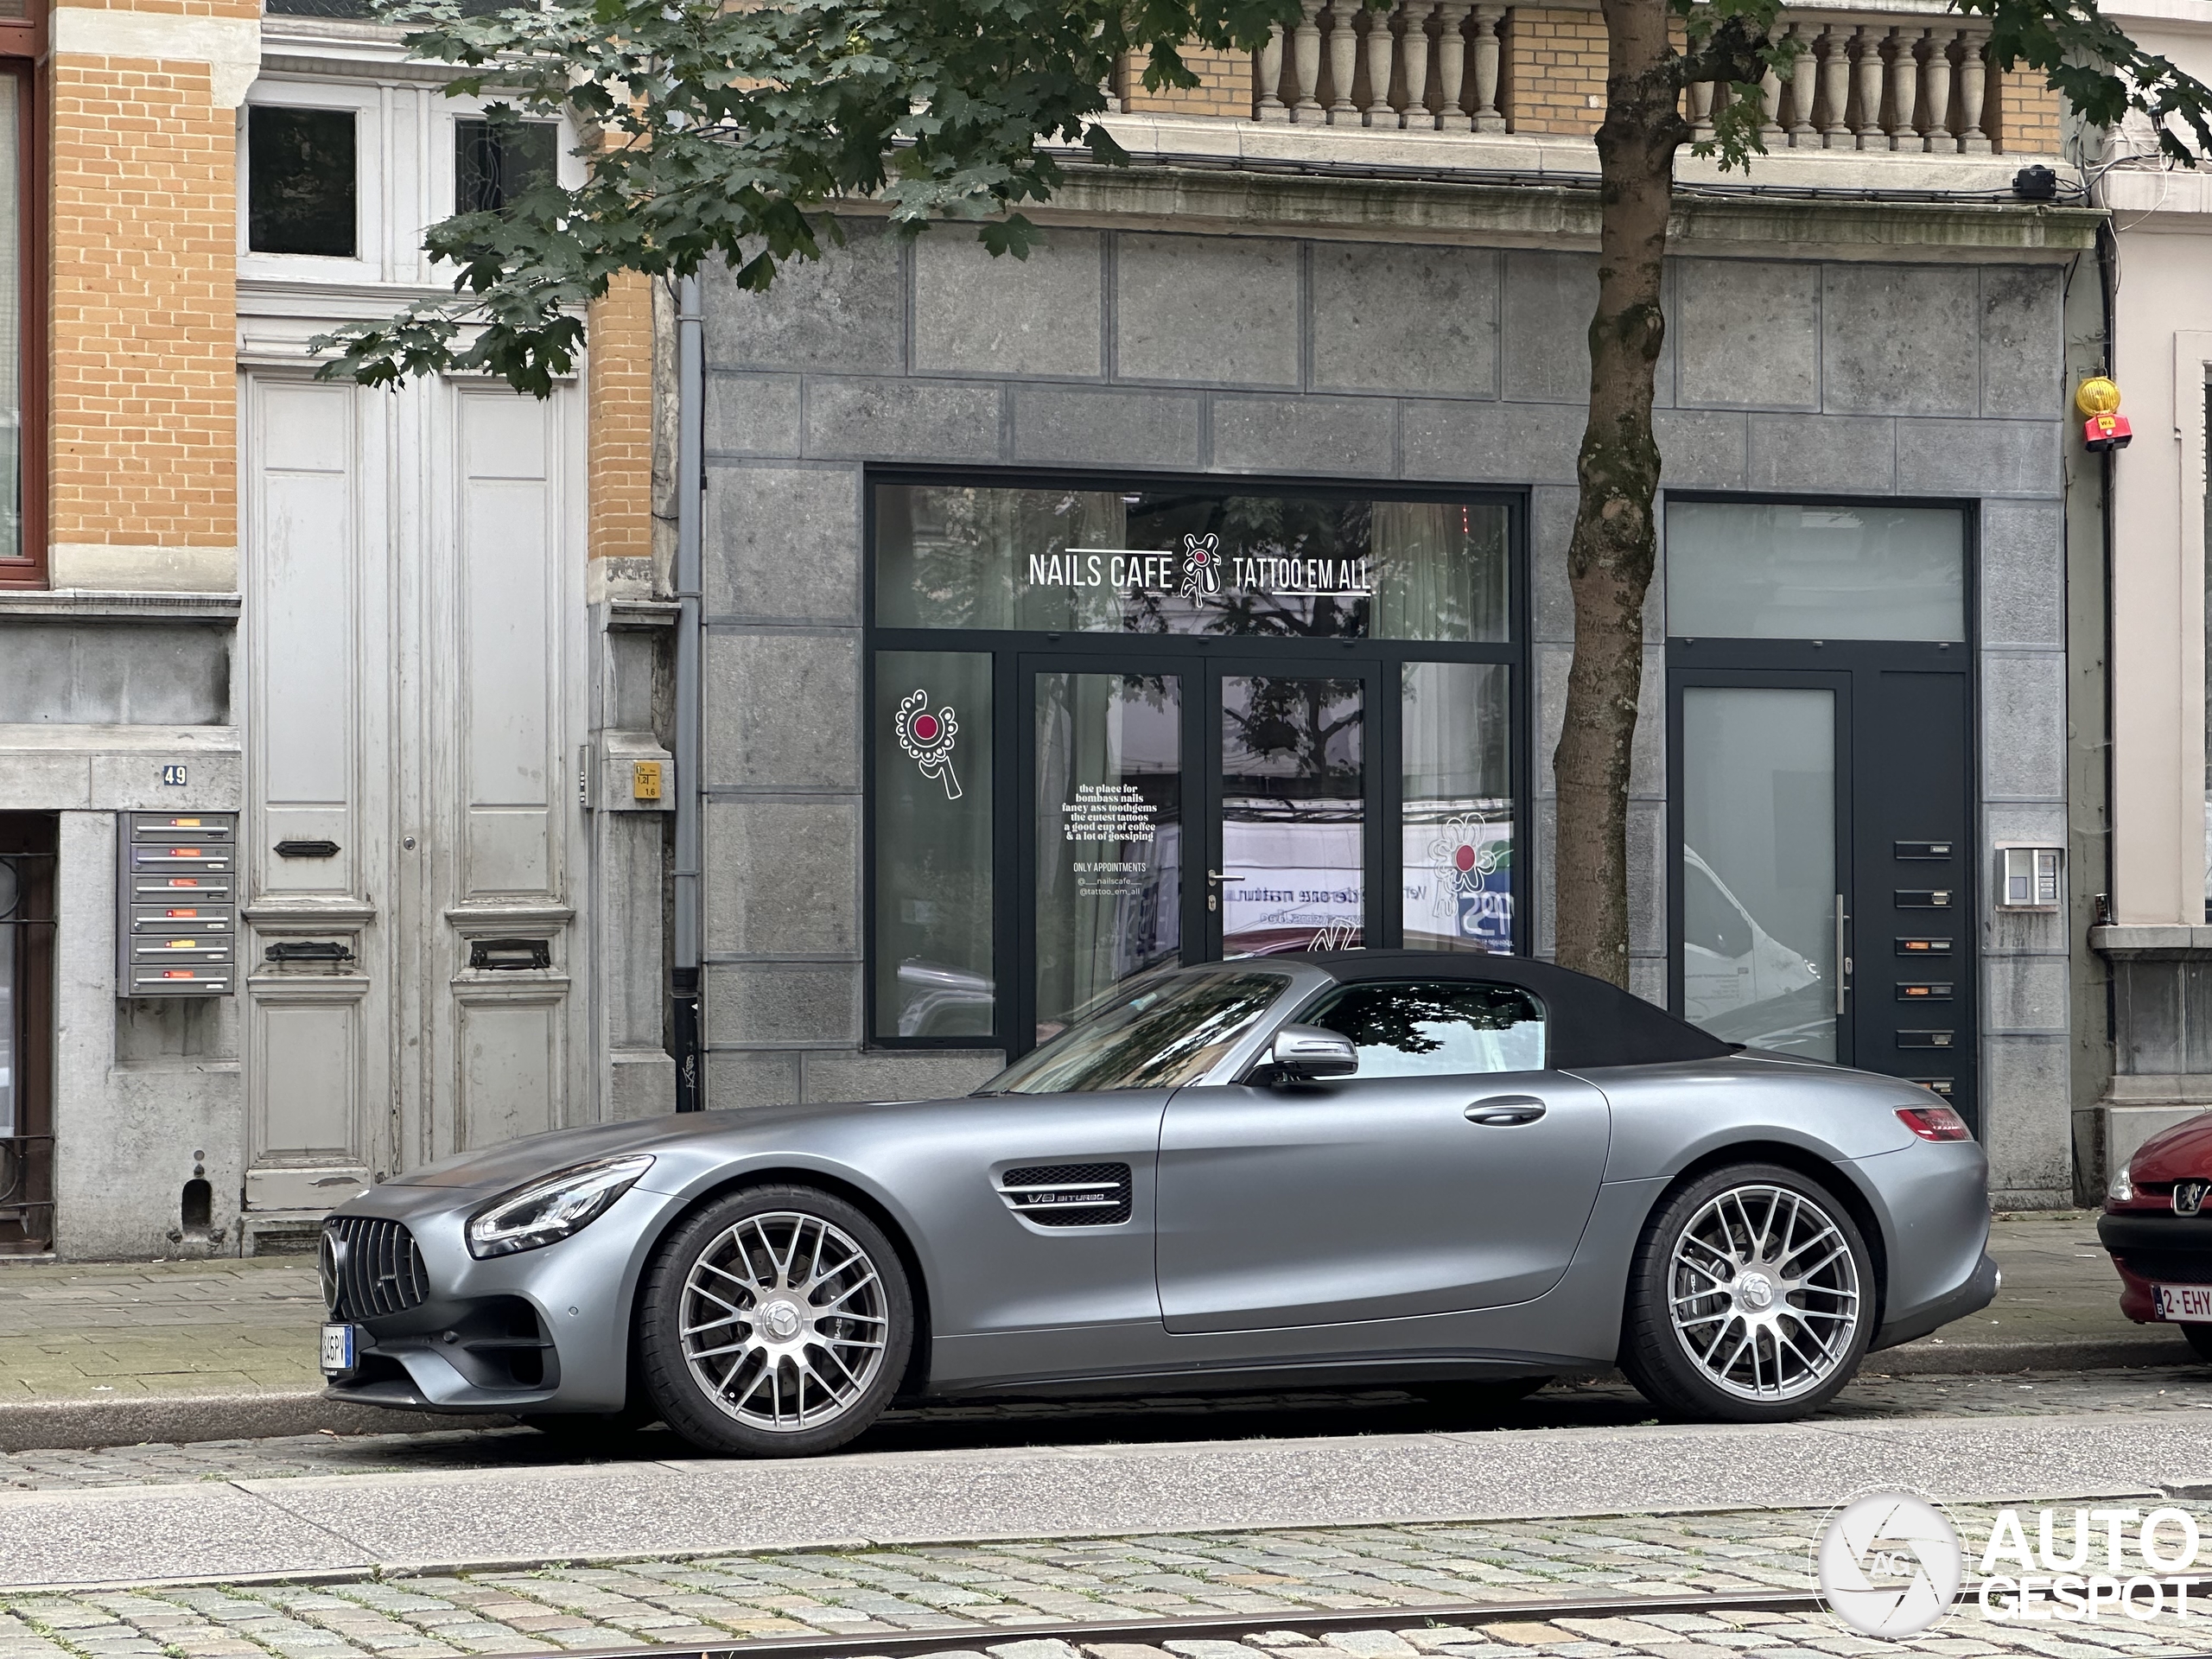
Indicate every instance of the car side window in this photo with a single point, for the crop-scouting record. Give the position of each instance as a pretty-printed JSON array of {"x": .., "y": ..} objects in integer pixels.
[{"x": 1443, "y": 1027}]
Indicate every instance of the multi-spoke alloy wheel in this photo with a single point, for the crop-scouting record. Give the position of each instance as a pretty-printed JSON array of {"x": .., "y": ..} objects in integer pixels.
[
  {"x": 1749, "y": 1298},
  {"x": 776, "y": 1322}
]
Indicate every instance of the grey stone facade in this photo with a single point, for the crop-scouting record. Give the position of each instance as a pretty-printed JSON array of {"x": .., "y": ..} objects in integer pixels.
[{"x": 1437, "y": 358}]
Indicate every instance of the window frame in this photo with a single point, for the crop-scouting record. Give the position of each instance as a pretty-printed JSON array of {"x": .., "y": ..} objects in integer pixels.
[
  {"x": 1006, "y": 647},
  {"x": 22, "y": 44},
  {"x": 372, "y": 254}
]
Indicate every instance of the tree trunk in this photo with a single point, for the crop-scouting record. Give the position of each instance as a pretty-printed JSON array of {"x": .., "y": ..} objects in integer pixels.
[{"x": 1610, "y": 558}]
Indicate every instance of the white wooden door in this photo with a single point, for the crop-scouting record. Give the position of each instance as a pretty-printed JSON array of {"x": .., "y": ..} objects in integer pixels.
[{"x": 414, "y": 628}]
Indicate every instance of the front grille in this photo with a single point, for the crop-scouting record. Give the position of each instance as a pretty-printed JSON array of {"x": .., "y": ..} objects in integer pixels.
[
  {"x": 370, "y": 1267},
  {"x": 1068, "y": 1195},
  {"x": 2169, "y": 1267}
]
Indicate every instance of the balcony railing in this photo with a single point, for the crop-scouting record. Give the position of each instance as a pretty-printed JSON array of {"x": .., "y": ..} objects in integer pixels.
[{"x": 1861, "y": 81}]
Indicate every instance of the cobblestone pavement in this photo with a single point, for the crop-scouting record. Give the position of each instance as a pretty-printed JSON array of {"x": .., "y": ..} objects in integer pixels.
[
  {"x": 693, "y": 1604},
  {"x": 1382, "y": 1411}
]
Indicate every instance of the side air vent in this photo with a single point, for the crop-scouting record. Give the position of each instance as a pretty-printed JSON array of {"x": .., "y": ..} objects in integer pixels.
[
  {"x": 369, "y": 1266},
  {"x": 1068, "y": 1195}
]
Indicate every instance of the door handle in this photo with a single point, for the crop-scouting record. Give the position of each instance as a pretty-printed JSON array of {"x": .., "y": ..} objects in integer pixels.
[
  {"x": 1505, "y": 1110},
  {"x": 1214, "y": 879}
]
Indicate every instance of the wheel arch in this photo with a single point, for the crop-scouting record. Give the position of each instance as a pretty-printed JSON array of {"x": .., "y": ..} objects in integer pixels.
[
  {"x": 918, "y": 1366},
  {"x": 1832, "y": 1178}
]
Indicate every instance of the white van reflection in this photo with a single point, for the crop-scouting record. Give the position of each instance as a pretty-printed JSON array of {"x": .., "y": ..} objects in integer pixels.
[{"x": 1731, "y": 964}]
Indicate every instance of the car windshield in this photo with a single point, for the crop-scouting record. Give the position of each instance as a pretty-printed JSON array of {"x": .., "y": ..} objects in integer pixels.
[{"x": 1159, "y": 1034}]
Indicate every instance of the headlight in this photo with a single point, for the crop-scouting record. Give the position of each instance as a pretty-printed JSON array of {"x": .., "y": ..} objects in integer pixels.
[
  {"x": 2121, "y": 1189},
  {"x": 547, "y": 1211}
]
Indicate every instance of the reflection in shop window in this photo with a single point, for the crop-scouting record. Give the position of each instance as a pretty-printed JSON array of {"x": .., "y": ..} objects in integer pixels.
[
  {"x": 2206, "y": 483},
  {"x": 1192, "y": 562},
  {"x": 1456, "y": 828},
  {"x": 934, "y": 971}
]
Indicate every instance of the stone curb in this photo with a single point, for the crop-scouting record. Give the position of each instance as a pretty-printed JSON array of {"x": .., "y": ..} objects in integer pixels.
[{"x": 76, "y": 1425}]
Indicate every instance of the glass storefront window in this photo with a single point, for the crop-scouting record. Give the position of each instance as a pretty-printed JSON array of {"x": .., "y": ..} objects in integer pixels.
[
  {"x": 934, "y": 974},
  {"x": 1227, "y": 721},
  {"x": 1109, "y": 835},
  {"x": 1758, "y": 570},
  {"x": 1190, "y": 561},
  {"x": 1456, "y": 827}
]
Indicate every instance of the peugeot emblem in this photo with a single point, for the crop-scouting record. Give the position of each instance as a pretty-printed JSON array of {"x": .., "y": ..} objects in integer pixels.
[{"x": 2188, "y": 1197}]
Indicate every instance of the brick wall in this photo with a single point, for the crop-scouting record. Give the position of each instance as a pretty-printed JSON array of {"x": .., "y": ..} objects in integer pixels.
[
  {"x": 2027, "y": 113},
  {"x": 1225, "y": 85},
  {"x": 143, "y": 337},
  {"x": 1551, "y": 74},
  {"x": 620, "y": 391}
]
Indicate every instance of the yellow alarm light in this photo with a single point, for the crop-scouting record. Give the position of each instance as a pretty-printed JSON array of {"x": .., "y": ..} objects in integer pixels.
[{"x": 2096, "y": 396}]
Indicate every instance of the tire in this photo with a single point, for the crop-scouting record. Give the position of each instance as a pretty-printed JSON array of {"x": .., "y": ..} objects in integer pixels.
[
  {"x": 1479, "y": 1400},
  {"x": 2198, "y": 1337},
  {"x": 824, "y": 1359},
  {"x": 1718, "y": 1326}
]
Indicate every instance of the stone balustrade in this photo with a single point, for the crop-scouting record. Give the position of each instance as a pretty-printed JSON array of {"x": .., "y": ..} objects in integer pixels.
[{"x": 1861, "y": 80}]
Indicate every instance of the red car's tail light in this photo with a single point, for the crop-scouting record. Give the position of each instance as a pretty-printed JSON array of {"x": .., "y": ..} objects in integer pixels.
[{"x": 1935, "y": 1122}]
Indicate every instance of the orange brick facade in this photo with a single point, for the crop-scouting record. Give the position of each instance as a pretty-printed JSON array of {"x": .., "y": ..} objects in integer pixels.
[
  {"x": 621, "y": 395},
  {"x": 142, "y": 343},
  {"x": 1225, "y": 85}
]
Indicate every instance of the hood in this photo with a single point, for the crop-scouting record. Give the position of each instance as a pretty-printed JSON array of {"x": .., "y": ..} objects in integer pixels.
[
  {"x": 512, "y": 1162},
  {"x": 2177, "y": 1154}
]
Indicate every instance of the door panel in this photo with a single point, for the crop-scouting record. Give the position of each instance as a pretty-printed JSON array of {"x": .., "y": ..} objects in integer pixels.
[
  {"x": 1913, "y": 976},
  {"x": 1370, "y": 1199},
  {"x": 315, "y": 631},
  {"x": 1294, "y": 823},
  {"x": 1758, "y": 859}
]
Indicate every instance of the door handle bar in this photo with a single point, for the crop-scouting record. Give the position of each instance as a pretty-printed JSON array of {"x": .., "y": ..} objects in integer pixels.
[{"x": 1505, "y": 1109}]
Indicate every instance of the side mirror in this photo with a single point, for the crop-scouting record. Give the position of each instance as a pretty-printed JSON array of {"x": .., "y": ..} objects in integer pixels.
[{"x": 1309, "y": 1053}]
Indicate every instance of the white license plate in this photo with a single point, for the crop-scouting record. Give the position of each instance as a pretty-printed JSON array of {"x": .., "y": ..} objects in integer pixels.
[
  {"x": 2188, "y": 1303},
  {"x": 338, "y": 1347}
]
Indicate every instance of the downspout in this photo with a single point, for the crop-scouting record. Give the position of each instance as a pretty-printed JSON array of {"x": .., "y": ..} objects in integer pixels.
[{"x": 690, "y": 501}]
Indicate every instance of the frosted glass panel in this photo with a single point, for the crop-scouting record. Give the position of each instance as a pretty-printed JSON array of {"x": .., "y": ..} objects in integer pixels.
[
  {"x": 1759, "y": 869},
  {"x": 1738, "y": 570}
]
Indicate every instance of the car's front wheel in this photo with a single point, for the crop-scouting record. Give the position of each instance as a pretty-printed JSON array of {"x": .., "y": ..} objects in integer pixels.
[
  {"x": 774, "y": 1323},
  {"x": 1750, "y": 1298}
]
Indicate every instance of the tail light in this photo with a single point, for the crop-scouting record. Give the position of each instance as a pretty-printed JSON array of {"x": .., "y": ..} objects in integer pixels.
[{"x": 1935, "y": 1122}]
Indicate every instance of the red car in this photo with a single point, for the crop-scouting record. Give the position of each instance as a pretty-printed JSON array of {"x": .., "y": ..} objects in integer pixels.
[{"x": 2157, "y": 1225}]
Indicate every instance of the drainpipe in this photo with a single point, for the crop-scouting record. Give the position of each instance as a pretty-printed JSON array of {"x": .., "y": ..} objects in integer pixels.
[{"x": 690, "y": 501}]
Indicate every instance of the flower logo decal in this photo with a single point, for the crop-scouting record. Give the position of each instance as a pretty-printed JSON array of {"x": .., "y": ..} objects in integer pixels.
[
  {"x": 927, "y": 739},
  {"x": 1201, "y": 566},
  {"x": 1462, "y": 854}
]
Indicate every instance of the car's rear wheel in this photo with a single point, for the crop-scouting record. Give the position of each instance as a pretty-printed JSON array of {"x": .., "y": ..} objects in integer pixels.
[
  {"x": 774, "y": 1323},
  {"x": 1750, "y": 1298},
  {"x": 2198, "y": 1337}
]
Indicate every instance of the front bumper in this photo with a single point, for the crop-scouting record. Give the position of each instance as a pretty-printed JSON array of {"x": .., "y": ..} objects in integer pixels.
[
  {"x": 2155, "y": 1246},
  {"x": 541, "y": 1330}
]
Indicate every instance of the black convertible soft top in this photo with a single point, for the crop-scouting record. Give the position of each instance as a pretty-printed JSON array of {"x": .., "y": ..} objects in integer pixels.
[{"x": 1589, "y": 1022}]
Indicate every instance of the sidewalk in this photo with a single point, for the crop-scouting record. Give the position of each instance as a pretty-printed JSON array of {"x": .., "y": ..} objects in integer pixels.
[{"x": 99, "y": 1354}]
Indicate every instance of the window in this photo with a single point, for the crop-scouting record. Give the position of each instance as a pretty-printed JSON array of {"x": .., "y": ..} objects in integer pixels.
[
  {"x": 1749, "y": 570},
  {"x": 1435, "y": 1028},
  {"x": 494, "y": 162},
  {"x": 301, "y": 186},
  {"x": 21, "y": 552},
  {"x": 27, "y": 863}
]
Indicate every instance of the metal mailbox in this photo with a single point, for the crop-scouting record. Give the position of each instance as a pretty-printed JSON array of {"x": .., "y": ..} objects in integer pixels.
[{"x": 176, "y": 904}]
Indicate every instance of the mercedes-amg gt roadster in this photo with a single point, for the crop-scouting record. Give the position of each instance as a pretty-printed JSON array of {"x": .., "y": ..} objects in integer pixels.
[{"x": 1460, "y": 1174}]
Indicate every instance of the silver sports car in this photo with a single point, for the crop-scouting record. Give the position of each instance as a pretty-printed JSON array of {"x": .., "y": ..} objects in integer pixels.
[{"x": 1464, "y": 1174}]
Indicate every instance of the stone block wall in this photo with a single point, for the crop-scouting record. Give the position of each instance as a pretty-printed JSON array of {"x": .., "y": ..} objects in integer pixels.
[{"x": 1294, "y": 359}]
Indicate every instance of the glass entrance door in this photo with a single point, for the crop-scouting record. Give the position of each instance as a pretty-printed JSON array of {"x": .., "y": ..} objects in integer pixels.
[
  {"x": 1762, "y": 890},
  {"x": 1292, "y": 858}
]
